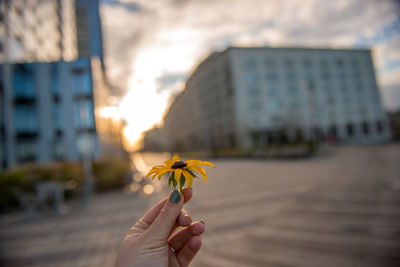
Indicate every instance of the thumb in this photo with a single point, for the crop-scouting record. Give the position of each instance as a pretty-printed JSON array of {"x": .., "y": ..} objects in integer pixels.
[{"x": 165, "y": 221}]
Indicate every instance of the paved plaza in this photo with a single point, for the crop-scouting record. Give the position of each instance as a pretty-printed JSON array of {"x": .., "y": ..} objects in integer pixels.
[{"x": 341, "y": 208}]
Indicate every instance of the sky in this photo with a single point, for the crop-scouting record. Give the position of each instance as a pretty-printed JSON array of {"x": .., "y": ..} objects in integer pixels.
[{"x": 152, "y": 46}]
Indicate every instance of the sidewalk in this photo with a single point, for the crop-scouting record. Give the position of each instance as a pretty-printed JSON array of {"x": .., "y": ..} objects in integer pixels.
[{"x": 338, "y": 210}]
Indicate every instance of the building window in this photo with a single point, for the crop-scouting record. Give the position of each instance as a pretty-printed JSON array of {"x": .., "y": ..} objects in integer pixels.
[
  {"x": 272, "y": 77},
  {"x": 274, "y": 105},
  {"x": 26, "y": 150},
  {"x": 379, "y": 127},
  {"x": 317, "y": 133},
  {"x": 23, "y": 84},
  {"x": 330, "y": 100},
  {"x": 290, "y": 76},
  {"x": 365, "y": 128},
  {"x": 289, "y": 63},
  {"x": 253, "y": 91},
  {"x": 323, "y": 63},
  {"x": 354, "y": 63},
  {"x": 309, "y": 85},
  {"x": 251, "y": 77},
  {"x": 58, "y": 148},
  {"x": 307, "y": 63},
  {"x": 250, "y": 63},
  {"x": 83, "y": 114},
  {"x": 81, "y": 82},
  {"x": 339, "y": 63},
  {"x": 299, "y": 135},
  {"x": 25, "y": 118},
  {"x": 256, "y": 106},
  {"x": 333, "y": 131},
  {"x": 269, "y": 63},
  {"x": 308, "y": 76},
  {"x": 293, "y": 90},
  {"x": 325, "y": 76},
  {"x": 350, "y": 129}
]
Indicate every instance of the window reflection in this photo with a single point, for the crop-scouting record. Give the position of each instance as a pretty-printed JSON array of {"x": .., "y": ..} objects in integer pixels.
[
  {"x": 23, "y": 82},
  {"x": 26, "y": 150},
  {"x": 25, "y": 119},
  {"x": 81, "y": 82},
  {"x": 83, "y": 115}
]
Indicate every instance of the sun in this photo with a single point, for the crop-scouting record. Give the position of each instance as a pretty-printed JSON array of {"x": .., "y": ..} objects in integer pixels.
[{"x": 145, "y": 103}]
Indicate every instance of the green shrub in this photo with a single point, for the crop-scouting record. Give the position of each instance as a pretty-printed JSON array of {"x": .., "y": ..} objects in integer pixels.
[
  {"x": 108, "y": 175},
  {"x": 10, "y": 183}
]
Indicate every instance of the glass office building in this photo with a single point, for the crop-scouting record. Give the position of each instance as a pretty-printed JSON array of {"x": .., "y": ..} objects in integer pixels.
[
  {"x": 50, "y": 115},
  {"x": 248, "y": 97}
]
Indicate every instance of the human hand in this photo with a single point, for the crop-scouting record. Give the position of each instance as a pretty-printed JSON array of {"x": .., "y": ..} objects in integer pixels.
[{"x": 150, "y": 242}]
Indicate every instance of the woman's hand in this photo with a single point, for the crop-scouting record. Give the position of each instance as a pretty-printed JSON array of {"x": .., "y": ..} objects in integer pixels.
[{"x": 150, "y": 242}]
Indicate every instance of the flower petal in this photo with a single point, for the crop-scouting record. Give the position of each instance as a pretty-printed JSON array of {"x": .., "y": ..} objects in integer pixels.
[
  {"x": 154, "y": 175},
  {"x": 168, "y": 163},
  {"x": 178, "y": 173},
  {"x": 207, "y": 163},
  {"x": 188, "y": 177},
  {"x": 193, "y": 162},
  {"x": 161, "y": 173},
  {"x": 202, "y": 172},
  {"x": 175, "y": 158},
  {"x": 151, "y": 172}
]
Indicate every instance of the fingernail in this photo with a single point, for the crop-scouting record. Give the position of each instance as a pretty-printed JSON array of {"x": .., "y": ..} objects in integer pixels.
[
  {"x": 203, "y": 222},
  {"x": 175, "y": 197}
]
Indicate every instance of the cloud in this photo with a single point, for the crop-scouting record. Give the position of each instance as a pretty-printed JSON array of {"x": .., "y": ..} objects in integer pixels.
[{"x": 170, "y": 37}]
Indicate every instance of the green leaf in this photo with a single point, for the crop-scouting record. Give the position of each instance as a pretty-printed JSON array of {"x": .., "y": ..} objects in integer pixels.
[
  {"x": 196, "y": 174},
  {"x": 171, "y": 177},
  {"x": 182, "y": 182},
  {"x": 174, "y": 183},
  {"x": 191, "y": 173}
]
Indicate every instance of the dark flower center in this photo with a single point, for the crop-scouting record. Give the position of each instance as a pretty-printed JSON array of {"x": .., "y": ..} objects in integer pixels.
[{"x": 179, "y": 165}]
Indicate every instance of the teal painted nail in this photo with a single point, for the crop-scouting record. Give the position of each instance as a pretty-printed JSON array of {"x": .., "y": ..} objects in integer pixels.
[{"x": 175, "y": 197}]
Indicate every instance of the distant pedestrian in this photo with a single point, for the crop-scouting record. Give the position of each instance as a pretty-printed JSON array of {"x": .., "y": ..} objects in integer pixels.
[{"x": 152, "y": 242}]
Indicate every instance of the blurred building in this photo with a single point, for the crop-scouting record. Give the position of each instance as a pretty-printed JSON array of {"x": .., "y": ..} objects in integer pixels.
[
  {"x": 249, "y": 97},
  {"x": 33, "y": 30},
  {"x": 89, "y": 30},
  {"x": 50, "y": 113},
  {"x": 62, "y": 41},
  {"x": 395, "y": 125},
  {"x": 155, "y": 140}
]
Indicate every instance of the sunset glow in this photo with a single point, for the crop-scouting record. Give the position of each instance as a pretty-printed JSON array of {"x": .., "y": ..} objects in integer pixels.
[{"x": 145, "y": 103}]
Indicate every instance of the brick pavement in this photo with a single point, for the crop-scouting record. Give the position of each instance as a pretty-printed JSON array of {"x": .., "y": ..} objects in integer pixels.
[{"x": 339, "y": 209}]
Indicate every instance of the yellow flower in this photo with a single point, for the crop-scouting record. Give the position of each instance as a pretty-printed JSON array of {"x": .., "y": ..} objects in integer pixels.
[{"x": 180, "y": 171}]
